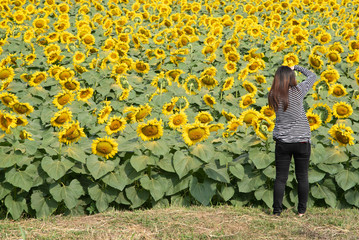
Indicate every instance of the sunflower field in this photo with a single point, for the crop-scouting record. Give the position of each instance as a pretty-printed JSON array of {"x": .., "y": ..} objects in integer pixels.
[{"x": 145, "y": 103}]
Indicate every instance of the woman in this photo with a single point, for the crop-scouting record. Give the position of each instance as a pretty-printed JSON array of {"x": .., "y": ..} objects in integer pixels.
[{"x": 291, "y": 132}]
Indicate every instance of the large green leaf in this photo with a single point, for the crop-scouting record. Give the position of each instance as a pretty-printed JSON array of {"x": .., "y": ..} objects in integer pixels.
[
  {"x": 352, "y": 197},
  {"x": 7, "y": 160},
  {"x": 15, "y": 206},
  {"x": 99, "y": 168},
  {"x": 237, "y": 170},
  {"x": 321, "y": 192},
  {"x": 205, "y": 152},
  {"x": 102, "y": 196},
  {"x": 226, "y": 192},
  {"x": 140, "y": 162},
  {"x": 202, "y": 192},
  {"x": 19, "y": 179},
  {"x": 318, "y": 154},
  {"x": 330, "y": 168},
  {"x": 261, "y": 159},
  {"x": 315, "y": 175},
  {"x": 156, "y": 186},
  {"x": 266, "y": 195},
  {"x": 76, "y": 152},
  {"x": 178, "y": 185},
  {"x": 137, "y": 196},
  {"x": 347, "y": 179},
  {"x": 166, "y": 163},
  {"x": 69, "y": 194},
  {"x": 116, "y": 179},
  {"x": 216, "y": 172},
  {"x": 56, "y": 168},
  {"x": 44, "y": 206},
  {"x": 183, "y": 164},
  {"x": 158, "y": 147},
  {"x": 5, "y": 189}
]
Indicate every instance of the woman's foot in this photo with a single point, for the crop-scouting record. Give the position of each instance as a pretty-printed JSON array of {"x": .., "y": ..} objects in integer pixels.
[{"x": 300, "y": 214}]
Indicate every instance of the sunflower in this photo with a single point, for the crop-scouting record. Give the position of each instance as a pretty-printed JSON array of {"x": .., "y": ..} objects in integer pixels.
[
  {"x": 30, "y": 58},
  {"x": 62, "y": 98},
  {"x": 228, "y": 84},
  {"x": 247, "y": 100},
  {"x": 7, "y": 98},
  {"x": 192, "y": 84},
  {"x": 341, "y": 134},
  {"x": 215, "y": 127},
  {"x": 269, "y": 112},
  {"x": 248, "y": 116},
  {"x": 78, "y": 57},
  {"x": 61, "y": 117},
  {"x": 115, "y": 124},
  {"x": 330, "y": 75},
  {"x": 194, "y": 133},
  {"x": 260, "y": 79},
  {"x": 20, "y": 121},
  {"x": 334, "y": 57},
  {"x": 71, "y": 133},
  {"x": 105, "y": 147},
  {"x": 250, "y": 88},
  {"x": 174, "y": 74},
  {"x": 230, "y": 67},
  {"x": 324, "y": 111},
  {"x": 25, "y": 135},
  {"x": 232, "y": 57},
  {"x": 319, "y": 49},
  {"x": 204, "y": 117},
  {"x": 141, "y": 67},
  {"x": 7, "y": 121},
  {"x": 342, "y": 110},
  {"x": 54, "y": 69},
  {"x": 209, "y": 100},
  {"x": 6, "y": 73},
  {"x": 229, "y": 116},
  {"x": 104, "y": 114},
  {"x": 337, "y": 90},
  {"x": 290, "y": 60},
  {"x": 324, "y": 37},
  {"x": 151, "y": 130},
  {"x": 64, "y": 74},
  {"x": 177, "y": 120},
  {"x": 351, "y": 58},
  {"x": 88, "y": 39},
  {"x": 84, "y": 94},
  {"x": 233, "y": 125},
  {"x": 262, "y": 125},
  {"x": 208, "y": 81},
  {"x": 142, "y": 112},
  {"x": 21, "y": 108},
  {"x": 336, "y": 47},
  {"x": 315, "y": 61},
  {"x": 314, "y": 121}
]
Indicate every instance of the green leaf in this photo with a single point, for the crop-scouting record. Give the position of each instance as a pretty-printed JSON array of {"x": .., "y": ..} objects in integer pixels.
[
  {"x": 116, "y": 179},
  {"x": 321, "y": 192},
  {"x": 68, "y": 194},
  {"x": 270, "y": 172},
  {"x": 56, "y": 168},
  {"x": 261, "y": 159},
  {"x": 15, "y": 206},
  {"x": 183, "y": 164},
  {"x": 352, "y": 197},
  {"x": 76, "y": 152},
  {"x": 99, "y": 168},
  {"x": 140, "y": 162},
  {"x": 346, "y": 179},
  {"x": 166, "y": 163},
  {"x": 103, "y": 197},
  {"x": 181, "y": 201},
  {"x": 330, "y": 168},
  {"x": 237, "y": 170},
  {"x": 335, "y": 155},
  {"x": 178, "y": 185},
  {"x": 202, "y": 192},
  {"x": 216, "y": 172},
  {"x": 265, "y": 195},
  {"x": 43, "y": 206},
  {"x": 158, "y": 147},
  {"x": 5, "y": 189},
  {"x": 205, "y": 152},
  {"x": 19, "y": 179},
  {"x": 318, "y": 154},
  {"x": 314, "y": 175},
  {"x": 226, "y": 192},
  {"x": 137, "y": 196},
  {"x": 157, "y": 187},
  {"x": 7, "y": 160}
]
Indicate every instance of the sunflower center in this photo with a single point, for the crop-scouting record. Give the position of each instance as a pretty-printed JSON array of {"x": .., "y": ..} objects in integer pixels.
[
  {"x": 62, "y": 100},
  {"x": 333, "y": 57},
  {"x": 170, "y": 107},
  {"x": 150, "y": 130},
  {"x": 64, "y": 75},
  {"x": 196, "y": 133},
  {"x": 70, "y": 85},
  {"x": 20, "y": 108},
  {"x": 253, "y": 66},
  {"x": 39, "y": 78},
  {"x": 208, "y": 80},
  {"x": 4, "y": 74},
  {"x": 249, "y": 117},
  {"x": 39, "y": 24},
  {"x": 88, "y": 40},
  {"x": 315, "y": 62},
  {"x": 72, "y": 133},
  {"x": 204, "y": 119},
  {"x": 247, "y": 101},
  {"x": 341, "y": 137},
  {"x": 268, "y": 113},
  {"x": 338, "y": 91},
  {"x": 62, "y": 118},
  {"x": 233, "y": 126},
  {"x": 141, "y": 114},
  {"x": 115, "y": 125},
  {"x": 342, "y": 110},
  {"x": 5, "y": 121},
  {"x": 141, "y": 66},
  {"x": 177, "y": 120},
  {"x": 312, "y": 121},
  {"x": 104, "y": 147},
  {"x": 7, "y": 99}
]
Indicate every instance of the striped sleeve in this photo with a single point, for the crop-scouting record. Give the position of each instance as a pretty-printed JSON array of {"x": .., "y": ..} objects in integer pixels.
[{"x": 308, "y": 82}]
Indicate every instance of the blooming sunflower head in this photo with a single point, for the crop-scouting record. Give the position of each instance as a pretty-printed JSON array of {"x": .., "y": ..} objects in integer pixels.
[
  {"x": 84, "y": 94},
  {"x": 25, "y": 135},
  {"x": 314, "y": 121},
  {"x": 334, "y": 57},
  {"x": 61, "y": 117},
  {"x": 70, "y": 85},
  {"x": 208, "y": 81},
  {"x": 7, "y": 121},
  {"x": 71, "y": 132},
  {"x": 63, "y": 98},
  {"x": 209, "y": 100},
  {"x": 194, "y": 133},
  {"x": 290, "y": 60},
  {"x": 215, "y": 127},
  {"x": 104, "y": 114},
  {"x": 315, "y": 61},
  {"x": 228, "y": 115},
  {"x": 151, "y": 130},
  {"x": 233, "y": 125},
  {"x": 250, "y": 87},
  {"x": 337, "y": 90},
  {"x": 268, "y": 112},
  {"x": 141, "y": 67},
  {"x": 177, "y": 120},
  {"x": 341, "y": 134},
  {"x": 142, "y": 112},
  {"x": 330, "y": 75},
  {"x": 247, "y": 100},
  {"x": 228, "y": 84},
  {"x": 342, "y": 110},
  {"x": 248, "y": 116},
  {"x": 115, "y": 124},
  {"x": 262, "y": 126},
  {"x": 6, "y": 73},
  {"x": 230, "y": 67},
  {"x": 204, "y": 117},
  {"x": 105, "y": 147},
  {"x": 7, "y": 98},
  {"x": 21, "y": 108}
]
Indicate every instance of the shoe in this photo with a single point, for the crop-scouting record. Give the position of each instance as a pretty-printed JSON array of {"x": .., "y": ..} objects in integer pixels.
[{"x": 300, "y": 214}]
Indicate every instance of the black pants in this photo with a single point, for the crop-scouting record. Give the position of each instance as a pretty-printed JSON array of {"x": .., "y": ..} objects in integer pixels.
[{"x": 283, "y": 156}]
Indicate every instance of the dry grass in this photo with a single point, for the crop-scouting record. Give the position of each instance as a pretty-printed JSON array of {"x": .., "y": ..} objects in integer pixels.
[{"x": 224, "y": 222}]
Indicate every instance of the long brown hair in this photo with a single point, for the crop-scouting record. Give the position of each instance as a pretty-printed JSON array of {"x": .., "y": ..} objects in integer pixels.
[{"x": 284, "y": 78}]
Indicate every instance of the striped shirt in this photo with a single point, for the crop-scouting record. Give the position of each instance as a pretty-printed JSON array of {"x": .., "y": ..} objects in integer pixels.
[{"x": 292, "y": 125}]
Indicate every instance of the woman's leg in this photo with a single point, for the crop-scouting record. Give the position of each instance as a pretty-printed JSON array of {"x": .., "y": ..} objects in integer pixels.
[
  {"x": 301, "y": 160},
  {"x": 283, "y": 157}
]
